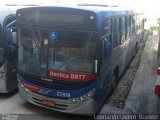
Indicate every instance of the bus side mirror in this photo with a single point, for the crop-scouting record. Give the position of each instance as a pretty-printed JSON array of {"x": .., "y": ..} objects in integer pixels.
[
  {"x": 14, "y": 35},
  {"x": 11, "y": 38}
]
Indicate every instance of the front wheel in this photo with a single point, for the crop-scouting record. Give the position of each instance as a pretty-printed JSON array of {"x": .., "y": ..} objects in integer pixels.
[
  {"x": 112, "y": 84},
  {"x": 136, "y": 48}
]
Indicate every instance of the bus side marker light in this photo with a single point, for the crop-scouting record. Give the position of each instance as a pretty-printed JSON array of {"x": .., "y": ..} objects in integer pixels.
[{"x": 30, "y": 87}]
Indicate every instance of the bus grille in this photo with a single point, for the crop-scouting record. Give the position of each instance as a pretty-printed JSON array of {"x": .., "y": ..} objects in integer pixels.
[{"x": 58, "y": 106}]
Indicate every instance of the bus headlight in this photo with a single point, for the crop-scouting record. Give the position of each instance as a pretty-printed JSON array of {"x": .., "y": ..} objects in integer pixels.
[
  {"x": 74, "y": 100},
  {"x": 85, "y": 97},
  {"x": 91, "y": 92}
]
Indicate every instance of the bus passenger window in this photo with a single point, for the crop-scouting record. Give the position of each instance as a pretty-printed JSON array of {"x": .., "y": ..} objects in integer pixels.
[
  {"x": 106, "y": 27},
  {"x": 106, "y": 37},
  {"x": 127, "y": 27},
  {"x": 107, "y": 47},
  {"x": 122, "y": 30},
  {"x": 133, "y": 24},
  {"x": 116, "y": 33}
]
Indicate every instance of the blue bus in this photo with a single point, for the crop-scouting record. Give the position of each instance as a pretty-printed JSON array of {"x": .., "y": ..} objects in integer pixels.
[
  {"x": 70, "y": 58},
  {"x": 8, "y": 49}
]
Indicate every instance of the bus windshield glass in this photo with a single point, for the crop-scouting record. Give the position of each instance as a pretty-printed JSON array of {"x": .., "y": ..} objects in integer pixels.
[{"x": 42, "y": 50}]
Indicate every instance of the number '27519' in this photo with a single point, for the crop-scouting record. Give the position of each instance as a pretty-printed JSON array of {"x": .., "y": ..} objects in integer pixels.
[{"x": 63, "y": 94}]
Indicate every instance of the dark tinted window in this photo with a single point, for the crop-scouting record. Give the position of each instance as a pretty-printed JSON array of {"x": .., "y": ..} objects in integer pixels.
[
  {"x": 116, "y": 32},
  {"x": 106, "y": 27}
]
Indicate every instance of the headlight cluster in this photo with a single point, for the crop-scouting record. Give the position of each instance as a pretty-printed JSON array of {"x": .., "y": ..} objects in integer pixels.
[{"x": 85, "y": 97}]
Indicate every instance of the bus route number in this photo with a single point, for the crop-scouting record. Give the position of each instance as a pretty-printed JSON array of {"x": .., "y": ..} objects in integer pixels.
[{"x": 63, "y": 94}]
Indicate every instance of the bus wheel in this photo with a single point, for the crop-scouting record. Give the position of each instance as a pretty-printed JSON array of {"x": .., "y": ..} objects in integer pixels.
[
  {"x": 112, "y": 85},
  {"x": 136, "y": 48},
  {"x": 135, "y": 51}
]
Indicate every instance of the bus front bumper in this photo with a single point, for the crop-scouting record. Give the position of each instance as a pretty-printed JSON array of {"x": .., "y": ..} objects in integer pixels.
[{"x": 89, "y": 107}]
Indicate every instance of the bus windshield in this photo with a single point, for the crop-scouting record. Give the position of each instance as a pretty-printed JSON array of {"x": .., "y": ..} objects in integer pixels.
[{"x": 42, "y": 50}]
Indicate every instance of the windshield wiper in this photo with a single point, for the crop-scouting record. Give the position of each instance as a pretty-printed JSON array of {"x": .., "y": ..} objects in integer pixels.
[{"x": 36, "y": 41}]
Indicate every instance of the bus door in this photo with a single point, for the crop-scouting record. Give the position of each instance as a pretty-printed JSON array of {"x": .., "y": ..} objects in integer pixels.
[{"x": 106, "y": 42}]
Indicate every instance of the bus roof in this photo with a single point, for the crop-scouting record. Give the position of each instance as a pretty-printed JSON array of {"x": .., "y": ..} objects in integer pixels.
[{"x": 96, "y": 9}]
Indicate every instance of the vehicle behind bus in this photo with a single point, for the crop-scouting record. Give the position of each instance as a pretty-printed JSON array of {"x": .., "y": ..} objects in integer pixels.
[
  {"x": 69, "y": 59},
  {"x": 8, "y": 50},
  {"x": 8, "y": 47}
]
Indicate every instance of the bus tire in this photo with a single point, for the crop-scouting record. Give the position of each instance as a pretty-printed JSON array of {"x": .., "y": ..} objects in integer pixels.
[
  {"x": 136, "y": 48},
  {"x": 114, "y": 80},
  {"x": 135, "y": 51},
  {"x": 112, "y": 85}
]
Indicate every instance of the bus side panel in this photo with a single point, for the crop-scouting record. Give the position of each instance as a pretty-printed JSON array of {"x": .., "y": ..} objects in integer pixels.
[
  {"x": 9, "y": 68},
  {"x": 8, "y": 81},
  {"x": 124, "y": 48},
  {"x": 3, "y": 88},
  {"x": 11, "y": 77},
  {"x": 132, "y": 45}
]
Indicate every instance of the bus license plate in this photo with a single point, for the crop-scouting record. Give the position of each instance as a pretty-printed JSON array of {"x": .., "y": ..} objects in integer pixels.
[{"x": 48, "y": 103}]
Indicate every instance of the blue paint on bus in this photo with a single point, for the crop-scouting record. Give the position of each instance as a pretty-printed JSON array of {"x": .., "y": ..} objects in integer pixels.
[{"x": 87, "y": 49}]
